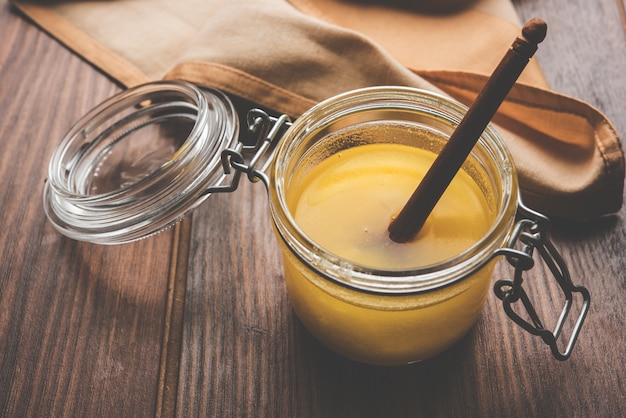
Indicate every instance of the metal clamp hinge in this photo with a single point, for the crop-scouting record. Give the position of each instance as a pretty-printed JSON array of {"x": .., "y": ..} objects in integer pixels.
[
  {"x": 530, "y": 234},
  {"x": 266, "y": 130}
]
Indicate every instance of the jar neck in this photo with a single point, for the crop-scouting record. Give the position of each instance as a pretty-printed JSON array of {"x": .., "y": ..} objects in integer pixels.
[{"x": 389, "y": 105}]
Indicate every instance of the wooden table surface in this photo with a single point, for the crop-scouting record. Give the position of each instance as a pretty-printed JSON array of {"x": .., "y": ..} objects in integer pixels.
[{"x": 195, "y": 321}]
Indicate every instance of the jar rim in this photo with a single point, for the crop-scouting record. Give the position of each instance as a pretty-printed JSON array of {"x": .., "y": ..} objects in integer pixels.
[
  {"x": 168, "y": 135},
  {"x": 390, "y": 281}
]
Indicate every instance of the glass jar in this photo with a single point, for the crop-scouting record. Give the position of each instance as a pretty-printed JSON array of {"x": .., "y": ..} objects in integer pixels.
[
  {"x": 143, "y": 159},
  {"x": 393, "y": 315}
]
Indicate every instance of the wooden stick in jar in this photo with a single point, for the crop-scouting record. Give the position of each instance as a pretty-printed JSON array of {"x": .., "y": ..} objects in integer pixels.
[{"x": 413, "y": 215}]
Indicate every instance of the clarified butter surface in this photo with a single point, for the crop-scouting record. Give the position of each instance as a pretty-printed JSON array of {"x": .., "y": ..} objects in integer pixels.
[{"x": 346, "y": 203}]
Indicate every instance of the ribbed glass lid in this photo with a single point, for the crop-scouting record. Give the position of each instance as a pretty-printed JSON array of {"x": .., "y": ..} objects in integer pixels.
[{"x": 139, "y": 162}]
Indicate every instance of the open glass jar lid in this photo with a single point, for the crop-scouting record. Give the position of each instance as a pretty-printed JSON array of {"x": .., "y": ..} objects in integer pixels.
[{"x": 139, "y": 162}]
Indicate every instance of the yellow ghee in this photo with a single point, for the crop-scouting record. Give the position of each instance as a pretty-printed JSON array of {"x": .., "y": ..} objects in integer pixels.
[{"x": 344, "y": 205}]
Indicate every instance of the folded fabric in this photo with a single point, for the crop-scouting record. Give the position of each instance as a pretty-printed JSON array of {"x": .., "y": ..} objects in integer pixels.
[{"x": 289, "y": 55}]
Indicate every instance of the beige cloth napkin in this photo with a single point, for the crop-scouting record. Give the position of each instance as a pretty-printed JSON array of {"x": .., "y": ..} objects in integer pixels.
[{"x": 288, "y": 55}]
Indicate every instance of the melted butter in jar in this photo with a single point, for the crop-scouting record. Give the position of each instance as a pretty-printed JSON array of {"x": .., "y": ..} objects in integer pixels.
[{"x": 346, "y": 202}]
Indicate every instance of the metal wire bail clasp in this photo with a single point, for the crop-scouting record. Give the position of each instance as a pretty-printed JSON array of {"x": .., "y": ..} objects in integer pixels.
[
  {"x": 530, "y": 233},
  {"x": 265, "y": 130}
]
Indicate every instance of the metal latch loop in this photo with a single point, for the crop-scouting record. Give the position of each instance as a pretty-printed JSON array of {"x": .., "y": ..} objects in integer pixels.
[
  {"x": 266, "y": 129},
  {"x": 529, "y": 234}
]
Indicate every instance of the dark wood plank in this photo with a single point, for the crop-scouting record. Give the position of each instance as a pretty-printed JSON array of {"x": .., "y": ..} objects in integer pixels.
[
  {"x": 80, "y": 325},
  {"x": 621, "y": 6},
  {"x": 582, "y": 55}
]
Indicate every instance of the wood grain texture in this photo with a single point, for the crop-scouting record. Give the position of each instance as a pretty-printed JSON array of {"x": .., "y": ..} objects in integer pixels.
[
  {"x": 134, "y": 331},
  {"x": 80, "y": 325},
  {"x": 621, "y": 6}
]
